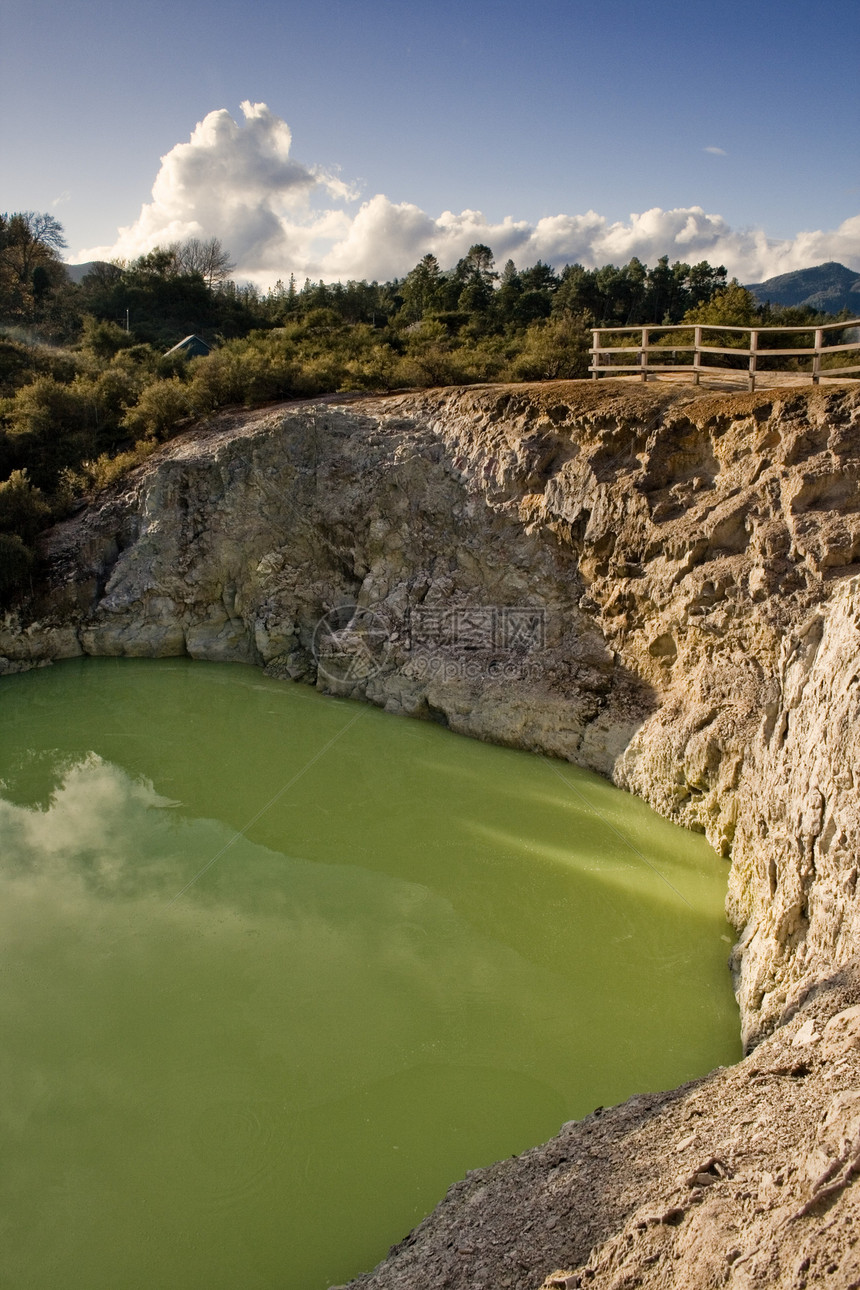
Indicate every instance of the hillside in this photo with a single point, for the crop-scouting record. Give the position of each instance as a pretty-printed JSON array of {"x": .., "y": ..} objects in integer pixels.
[{"x": 828, "y": 287}]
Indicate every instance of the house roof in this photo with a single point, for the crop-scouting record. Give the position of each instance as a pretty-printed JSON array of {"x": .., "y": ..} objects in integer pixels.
[{"x": 193, "y": 346}]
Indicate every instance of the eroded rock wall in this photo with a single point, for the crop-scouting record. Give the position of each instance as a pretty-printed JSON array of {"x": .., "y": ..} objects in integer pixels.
[{"x": 793, "y": 881}]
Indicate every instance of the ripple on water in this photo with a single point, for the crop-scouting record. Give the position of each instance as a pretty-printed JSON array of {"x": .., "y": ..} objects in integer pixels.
[{"x": 239, "y": 1145}]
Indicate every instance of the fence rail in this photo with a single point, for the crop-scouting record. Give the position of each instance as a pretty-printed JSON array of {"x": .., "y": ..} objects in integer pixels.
[{"x": 646, "y": 353}]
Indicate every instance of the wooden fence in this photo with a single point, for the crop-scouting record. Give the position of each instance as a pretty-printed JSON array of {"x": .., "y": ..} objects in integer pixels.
[{"x": 648, "y": 357}]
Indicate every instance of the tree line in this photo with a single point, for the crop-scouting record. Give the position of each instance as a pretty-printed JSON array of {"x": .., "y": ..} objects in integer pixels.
[{"x": 87, "y": 390}]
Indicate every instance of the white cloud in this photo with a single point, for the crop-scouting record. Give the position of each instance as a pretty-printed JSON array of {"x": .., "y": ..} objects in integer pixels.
[
  {"x": 277, "y": 216},
  {"x": 717, "y": 152},
  {"x": 238, "y": 183}
]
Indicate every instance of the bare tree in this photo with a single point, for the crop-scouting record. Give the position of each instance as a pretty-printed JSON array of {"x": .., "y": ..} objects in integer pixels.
[
  {"x": 46, "y": 230},
  {"x": 208, "y": 258}
]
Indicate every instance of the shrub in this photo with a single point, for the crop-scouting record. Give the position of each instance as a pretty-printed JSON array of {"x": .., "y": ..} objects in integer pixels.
[
  {"x": 158, "y": 410},
  {"x": 103, "y": 338},
  {"x": 48, "y": 427},
  {"x": 45, "y": 407},
  {"x": 216, "y": 380},
  {"x": 23, "y": 509},
  {"x": 93, "y": 476},
  {"x": 554, "y": 350},
  {"x": 732, "y": 306},
  {"x": 16, "y": 561}
]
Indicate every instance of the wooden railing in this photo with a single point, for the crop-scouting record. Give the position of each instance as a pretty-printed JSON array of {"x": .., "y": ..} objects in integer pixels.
[{"x": 648, "y": 356}]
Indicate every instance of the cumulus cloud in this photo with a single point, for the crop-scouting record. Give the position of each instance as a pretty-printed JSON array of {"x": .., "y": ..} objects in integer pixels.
[
  {"x": 240, "y": 184},
  {"x": 276, "y": 216}
]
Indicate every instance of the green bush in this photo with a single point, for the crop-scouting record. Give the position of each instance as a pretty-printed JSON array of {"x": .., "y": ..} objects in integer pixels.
[
  {"x": 216, "y": 380},
  {"x": 103, "y": 338},
  {"x": 23, "y": 509},
  {"x": 93, "y": 476},
  {"x": 159, "y": 409},
  {"x": 553, "y": 350},
  {"x": 20, "y": 363},
  {"x": 733, "y": 306},
  {"x": 45, "y": 408},
  {"x": 16, "y": 562}
]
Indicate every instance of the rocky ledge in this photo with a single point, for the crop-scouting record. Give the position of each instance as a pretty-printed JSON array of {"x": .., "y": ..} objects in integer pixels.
[{"x": 658, "y": 583}]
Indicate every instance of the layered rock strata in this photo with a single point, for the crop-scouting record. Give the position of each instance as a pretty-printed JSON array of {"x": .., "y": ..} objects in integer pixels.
[{"x": 657, "y": 583}]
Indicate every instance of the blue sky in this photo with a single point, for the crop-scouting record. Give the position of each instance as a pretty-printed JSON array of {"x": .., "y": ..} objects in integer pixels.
[{"x": 525, "y": 112}]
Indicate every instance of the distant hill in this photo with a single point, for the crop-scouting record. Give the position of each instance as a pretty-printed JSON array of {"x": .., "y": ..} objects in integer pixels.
[
  {"x": 77, "y": 272},
  {"x": 829, "y": 287}
]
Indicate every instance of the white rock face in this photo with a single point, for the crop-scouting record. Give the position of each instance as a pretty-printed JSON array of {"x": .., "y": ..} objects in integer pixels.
[{"x": 794, "y": 874}]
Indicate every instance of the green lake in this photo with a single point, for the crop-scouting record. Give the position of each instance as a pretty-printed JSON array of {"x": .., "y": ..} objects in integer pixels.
[{"x": 279, "y": 968}]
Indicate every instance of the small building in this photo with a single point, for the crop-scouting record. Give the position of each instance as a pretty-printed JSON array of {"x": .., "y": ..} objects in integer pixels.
[{"x": 191, "y": 347}]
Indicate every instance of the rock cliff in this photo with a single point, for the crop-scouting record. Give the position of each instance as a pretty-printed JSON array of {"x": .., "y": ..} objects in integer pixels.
[{"x": 655, "y": 582}]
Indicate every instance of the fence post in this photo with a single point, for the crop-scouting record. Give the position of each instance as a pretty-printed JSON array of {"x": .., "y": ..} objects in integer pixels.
[
  {"x": 697, "y": 354},
  {"x": 816, "y": 357},
  {"x": 753, "y": 358},
  {"x": 643, "y": 355},
  {"x": 595, "y": 353}
]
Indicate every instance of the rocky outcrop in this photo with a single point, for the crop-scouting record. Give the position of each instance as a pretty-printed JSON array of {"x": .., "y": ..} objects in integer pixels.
[{"x": 658, "y": 583}]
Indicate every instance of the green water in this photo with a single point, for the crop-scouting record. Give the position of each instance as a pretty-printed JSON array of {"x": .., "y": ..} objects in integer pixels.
[{"x": 277, "y": 969}]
